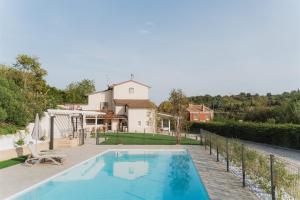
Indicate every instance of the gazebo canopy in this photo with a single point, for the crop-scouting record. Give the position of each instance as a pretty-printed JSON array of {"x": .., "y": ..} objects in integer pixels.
[
  {"x": 74, "y": 112},
  {"x": 165, "y": 115}
]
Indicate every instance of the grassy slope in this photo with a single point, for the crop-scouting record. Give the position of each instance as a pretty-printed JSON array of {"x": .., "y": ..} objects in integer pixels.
[
  {"x": 11, "y": 162},
  {"x": 140, "y": 138}
]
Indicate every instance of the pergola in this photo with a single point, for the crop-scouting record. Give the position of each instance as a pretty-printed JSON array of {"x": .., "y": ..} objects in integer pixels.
[
  {"x": 73, "y": 114},
  {"x": 163, "y": 117}
]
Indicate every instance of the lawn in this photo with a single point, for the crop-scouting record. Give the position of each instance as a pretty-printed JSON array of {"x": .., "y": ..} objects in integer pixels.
[
  {"x": 140, "y": 138},
  {"x": 11, "y": 162}
]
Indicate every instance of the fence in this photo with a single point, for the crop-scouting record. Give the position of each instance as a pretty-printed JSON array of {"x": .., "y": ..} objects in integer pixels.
[
  {"x": 146, "y": 138},
  {"x": 269, "y": 176}
]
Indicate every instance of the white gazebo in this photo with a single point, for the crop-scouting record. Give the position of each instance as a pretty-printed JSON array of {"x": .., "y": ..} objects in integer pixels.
[
  {"x": 69, "y": 116},
  {"x": 163, "y": 118}
]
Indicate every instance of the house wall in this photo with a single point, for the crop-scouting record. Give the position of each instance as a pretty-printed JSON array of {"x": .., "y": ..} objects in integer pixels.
[
  {"x": 201, "y": 116},
  {"x": 120, "y": 110},
  {"x": 94, "y": 100},
  {"x": 122, "y": 91},
  {"x": 142, "y": 115},
  {"x": 114, "y": 124}
]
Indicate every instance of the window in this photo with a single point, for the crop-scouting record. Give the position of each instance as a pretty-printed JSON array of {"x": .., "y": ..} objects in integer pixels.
[
  {"x": 131, "y": 90},
  {"x": 147, "y": 123},
  {"x": 100, "y": 121},
  {"x": 139, "y": 123},
  {"x": 103, "y": 105},
  {"x": 148, "y": 113},
  {"x": 90, "y": 121},
  {"x": 196, "y": 116}
]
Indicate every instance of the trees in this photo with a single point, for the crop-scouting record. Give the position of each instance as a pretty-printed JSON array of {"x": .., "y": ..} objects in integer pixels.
[
  {"x": 281, "y": 108},
  {"x": 179, "y": 103},
  {"x": 25, "y": 92},
  {"x": 33, "y": 73},
  {"x": 165, "y": 107},
  {"x": 77, "y": 92},
  {"x": 14, "y": 104}
]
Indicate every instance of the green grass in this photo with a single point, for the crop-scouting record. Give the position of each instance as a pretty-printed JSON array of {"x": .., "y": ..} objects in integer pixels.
[
  {"x": 11, "y": 162},
  {"x": 140, "y": 138}
]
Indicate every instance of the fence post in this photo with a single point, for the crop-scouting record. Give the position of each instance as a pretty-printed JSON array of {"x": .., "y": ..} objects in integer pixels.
[
  {"x": 144, "y": 136},
  {"x": 243, "y": 167},
  {"x": 272, "y": 176},
  {"x": 227, "y": 155},
  {"x": 201, "y": 139},
  {"x": 217, "y": 150},
  {"x": 205, "y": 142},
  {"x": 97, "y": 137},
  {"x": 210, "y": 144}
]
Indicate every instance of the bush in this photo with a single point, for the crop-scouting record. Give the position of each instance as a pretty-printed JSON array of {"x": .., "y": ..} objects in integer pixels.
[
  {"x": 3, "y": 114},
  {"x": 7, "y": 129},
  {"x": 285, "y": 135}
]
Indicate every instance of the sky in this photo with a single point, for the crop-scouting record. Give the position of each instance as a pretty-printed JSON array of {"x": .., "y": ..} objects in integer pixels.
[{"x": 202, "y": 46}]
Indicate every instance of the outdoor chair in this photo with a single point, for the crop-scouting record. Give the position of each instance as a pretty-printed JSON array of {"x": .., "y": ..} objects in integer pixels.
[{"x": 39, "y": 157}]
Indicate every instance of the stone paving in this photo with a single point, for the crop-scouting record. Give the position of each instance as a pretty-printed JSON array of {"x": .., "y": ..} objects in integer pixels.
[{"x": 219, "y": 183}]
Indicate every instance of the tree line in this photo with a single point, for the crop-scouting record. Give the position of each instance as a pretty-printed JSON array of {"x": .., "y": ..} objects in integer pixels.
[
  {"x": 279, "y": 108},
  {"x": 25, "y": 92}
]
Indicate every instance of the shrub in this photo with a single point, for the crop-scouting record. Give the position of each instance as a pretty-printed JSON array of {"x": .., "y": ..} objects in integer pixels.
[
  {"x": 285, "y": 135},
  {"x": 7, "y": 129},
  {"x": 20, "y": 142}
]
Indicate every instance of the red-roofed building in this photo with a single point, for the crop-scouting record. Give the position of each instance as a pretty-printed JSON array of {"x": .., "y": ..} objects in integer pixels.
[{"x": 200, "y": 113}]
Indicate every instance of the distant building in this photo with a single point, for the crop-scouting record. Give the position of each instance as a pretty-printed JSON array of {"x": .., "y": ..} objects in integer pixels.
[{"x": 200, "y": 113}]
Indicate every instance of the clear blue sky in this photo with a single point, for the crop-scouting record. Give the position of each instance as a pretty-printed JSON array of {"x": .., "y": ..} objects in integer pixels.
[{"x": 202, "y": 47}]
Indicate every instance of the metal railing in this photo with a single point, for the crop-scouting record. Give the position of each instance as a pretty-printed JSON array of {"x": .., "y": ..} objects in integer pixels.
[
  {"x": 146, "y": 138},
  {"x": 271, "y": 177}
]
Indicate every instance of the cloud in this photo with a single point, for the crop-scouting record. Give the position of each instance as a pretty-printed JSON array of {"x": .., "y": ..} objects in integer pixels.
[
  {"x": 144, "y": 32},
  {"x": 150, "y": 23}
]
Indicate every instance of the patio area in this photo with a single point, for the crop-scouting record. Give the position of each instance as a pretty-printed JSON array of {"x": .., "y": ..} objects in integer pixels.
[{"x": 219, "y": 183}]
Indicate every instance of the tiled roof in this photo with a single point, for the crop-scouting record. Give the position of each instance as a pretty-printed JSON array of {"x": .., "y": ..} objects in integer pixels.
[
  {"x": 134, "y": 103},
  {"x": 198, "y": 108}
]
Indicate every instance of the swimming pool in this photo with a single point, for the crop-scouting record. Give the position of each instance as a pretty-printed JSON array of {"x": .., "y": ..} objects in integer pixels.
[{"x": 125, "y": 174}]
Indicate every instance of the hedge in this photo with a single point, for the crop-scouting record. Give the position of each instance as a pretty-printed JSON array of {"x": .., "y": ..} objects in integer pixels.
[{"x": 284, "y": 135}]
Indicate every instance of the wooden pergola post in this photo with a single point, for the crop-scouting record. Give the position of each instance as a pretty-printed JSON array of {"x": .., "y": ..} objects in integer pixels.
[{"x": 51, "y": 143}]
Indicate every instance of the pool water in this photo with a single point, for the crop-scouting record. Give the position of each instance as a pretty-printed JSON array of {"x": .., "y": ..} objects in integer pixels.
[{"x": 124, "y": 175}]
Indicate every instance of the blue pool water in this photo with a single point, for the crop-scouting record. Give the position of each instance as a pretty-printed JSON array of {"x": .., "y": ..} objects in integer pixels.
[{"x": 126, "y": 175}]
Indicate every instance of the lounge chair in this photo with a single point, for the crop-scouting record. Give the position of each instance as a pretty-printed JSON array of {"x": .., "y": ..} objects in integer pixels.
[{"x": 38, "y": 157}]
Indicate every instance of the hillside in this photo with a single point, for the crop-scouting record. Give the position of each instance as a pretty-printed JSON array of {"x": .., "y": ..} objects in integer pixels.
[{"x": 280, "y": 108}]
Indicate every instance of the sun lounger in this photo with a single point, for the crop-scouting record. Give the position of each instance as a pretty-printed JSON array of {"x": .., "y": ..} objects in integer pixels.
[{"x": 38, "y": 157}]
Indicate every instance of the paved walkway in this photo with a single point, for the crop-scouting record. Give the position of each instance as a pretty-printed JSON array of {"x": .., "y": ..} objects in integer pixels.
[
  {"x": 290, "y": 155},
  {"x": 219, "y": 183}
]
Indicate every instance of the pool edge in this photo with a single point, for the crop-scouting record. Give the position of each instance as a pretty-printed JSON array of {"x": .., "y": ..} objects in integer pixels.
[{"x": 65, "y": 170}]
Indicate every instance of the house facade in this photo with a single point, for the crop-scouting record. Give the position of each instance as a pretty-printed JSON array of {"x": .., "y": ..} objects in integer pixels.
[
  {"x": 200, "y": 113},
  {"x": 127, "y": 108}
]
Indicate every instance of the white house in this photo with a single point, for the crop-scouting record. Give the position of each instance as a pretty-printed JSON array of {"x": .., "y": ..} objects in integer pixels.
[{"x": 126, "y": 106}]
